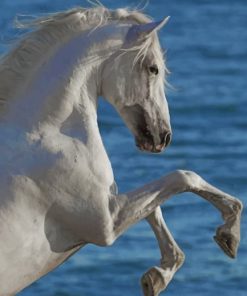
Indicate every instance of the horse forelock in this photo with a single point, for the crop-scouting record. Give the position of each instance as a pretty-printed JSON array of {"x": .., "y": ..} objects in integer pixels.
[{"x": 48, "y": 32}]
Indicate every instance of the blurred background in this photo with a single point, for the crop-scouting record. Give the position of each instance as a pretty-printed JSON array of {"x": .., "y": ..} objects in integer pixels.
[{"x": 206, "y": 52}]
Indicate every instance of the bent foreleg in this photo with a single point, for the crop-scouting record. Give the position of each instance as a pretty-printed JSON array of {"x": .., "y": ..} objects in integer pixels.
[
  {"x": 139, "y": 204},
  {"x": 128, "y": 209}
]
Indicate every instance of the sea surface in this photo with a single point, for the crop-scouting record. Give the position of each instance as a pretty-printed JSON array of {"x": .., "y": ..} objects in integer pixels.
[{"x": 206, "y": 52}]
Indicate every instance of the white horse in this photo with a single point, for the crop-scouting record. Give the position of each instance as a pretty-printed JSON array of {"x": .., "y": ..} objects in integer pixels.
[{"x": 57, "y": 186}]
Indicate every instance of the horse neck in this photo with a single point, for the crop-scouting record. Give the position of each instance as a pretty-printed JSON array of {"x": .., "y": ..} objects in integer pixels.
[{"x": 64, "y": 90}]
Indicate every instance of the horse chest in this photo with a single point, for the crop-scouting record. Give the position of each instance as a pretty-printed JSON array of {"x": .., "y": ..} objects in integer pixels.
[{"x": 76, "y": 167}]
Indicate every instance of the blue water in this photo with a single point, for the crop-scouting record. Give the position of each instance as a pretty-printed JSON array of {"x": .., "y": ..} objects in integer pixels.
[{"x": 206, "y": 43}]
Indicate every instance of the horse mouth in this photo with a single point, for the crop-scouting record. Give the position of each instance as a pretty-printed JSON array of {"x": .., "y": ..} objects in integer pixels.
[
  {"x": 146, "y": 146},
  {"x": 145, "y": 141}
]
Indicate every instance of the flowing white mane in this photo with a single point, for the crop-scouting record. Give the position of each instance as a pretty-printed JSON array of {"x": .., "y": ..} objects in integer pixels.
[{"x": 50, "y": 31}]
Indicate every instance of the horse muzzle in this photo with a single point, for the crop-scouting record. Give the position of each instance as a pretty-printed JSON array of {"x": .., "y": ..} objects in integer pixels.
[{"x": 146, "y": 143}]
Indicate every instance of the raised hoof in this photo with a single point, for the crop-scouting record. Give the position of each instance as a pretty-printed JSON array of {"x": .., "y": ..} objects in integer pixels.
[
  {"x": 153, "y": 282},
  {"x": 228, "y": 235},
  {"x": 228, "y": 243}
]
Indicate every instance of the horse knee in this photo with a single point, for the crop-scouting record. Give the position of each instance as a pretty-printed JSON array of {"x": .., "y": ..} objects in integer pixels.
[{"x": 188, "y": 179}]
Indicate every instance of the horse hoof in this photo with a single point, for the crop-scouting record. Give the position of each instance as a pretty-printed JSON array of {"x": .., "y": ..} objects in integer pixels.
[
  {"x": 228, "y": 235},
  {"x": 153, "y": 282},
  {"x": 228, "y": 243}
]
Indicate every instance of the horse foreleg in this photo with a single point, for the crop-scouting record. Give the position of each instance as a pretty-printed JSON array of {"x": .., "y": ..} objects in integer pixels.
[
  {"x": 157, "y": 278},
  {"x": 128, "y": 209}
]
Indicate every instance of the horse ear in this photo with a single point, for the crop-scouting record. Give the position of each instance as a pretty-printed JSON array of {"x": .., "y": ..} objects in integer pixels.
[{"x": 137, "y": 32}]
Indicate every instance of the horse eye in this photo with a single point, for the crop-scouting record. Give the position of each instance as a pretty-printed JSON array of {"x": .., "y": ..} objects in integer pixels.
[{"x": 154, "y": 69}]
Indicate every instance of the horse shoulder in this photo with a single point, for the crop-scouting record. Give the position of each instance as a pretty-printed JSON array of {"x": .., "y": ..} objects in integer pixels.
[{"x": 81, "y": 181}]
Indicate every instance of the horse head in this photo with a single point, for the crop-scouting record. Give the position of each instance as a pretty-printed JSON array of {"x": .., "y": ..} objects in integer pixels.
[{"x": 134, "y": 84}]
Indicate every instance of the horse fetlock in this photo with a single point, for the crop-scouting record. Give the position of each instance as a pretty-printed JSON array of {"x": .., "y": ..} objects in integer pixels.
[
  {"x": 176, "y": 260},
  {"x": 237, "y": 206},
  {"x": 180, "y": 258},
  {"x": 157, "y": 279},
  {"x": 233, "y": 210}
]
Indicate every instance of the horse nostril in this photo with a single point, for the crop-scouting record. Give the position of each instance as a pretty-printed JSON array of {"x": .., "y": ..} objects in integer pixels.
[
  {"x": 168, "y": 139},
  {"x": 165, "y": 138}
]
